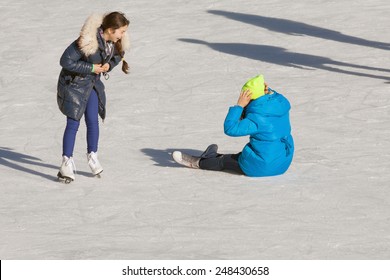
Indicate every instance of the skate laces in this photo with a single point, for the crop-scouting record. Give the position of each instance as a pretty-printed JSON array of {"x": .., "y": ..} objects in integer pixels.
[
  {"x": 70, "y": 161},
  {"x": 92, "y": 158}
]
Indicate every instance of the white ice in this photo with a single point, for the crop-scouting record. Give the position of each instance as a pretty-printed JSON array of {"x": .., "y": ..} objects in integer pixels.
[{"x": 188, "y": 61}]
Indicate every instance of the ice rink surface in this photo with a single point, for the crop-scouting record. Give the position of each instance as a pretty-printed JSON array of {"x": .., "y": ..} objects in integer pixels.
[{"x": 188, "y": 62}]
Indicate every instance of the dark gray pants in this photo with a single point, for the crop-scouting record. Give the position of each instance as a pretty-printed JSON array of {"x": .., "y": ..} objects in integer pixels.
[{"x": 228, "y": 162}]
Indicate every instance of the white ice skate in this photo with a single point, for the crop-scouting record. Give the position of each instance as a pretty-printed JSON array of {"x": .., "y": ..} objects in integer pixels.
[
  {"x": 67, "y": 170},
  {"x": 94, "y": 164},
  {"x": 186, "y": 160}
]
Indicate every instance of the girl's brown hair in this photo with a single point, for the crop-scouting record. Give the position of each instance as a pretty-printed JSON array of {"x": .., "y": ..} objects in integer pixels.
[{"x": 117, "y": 20}]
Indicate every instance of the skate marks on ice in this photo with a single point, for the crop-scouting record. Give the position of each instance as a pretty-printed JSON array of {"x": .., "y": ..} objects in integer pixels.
[
  {"x": 283, "y": 57},
  {"x": 164, "y": 157},
  {"x": 294, "y": 28}
]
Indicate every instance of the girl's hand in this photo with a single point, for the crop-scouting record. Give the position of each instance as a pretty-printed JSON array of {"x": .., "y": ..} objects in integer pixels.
[
  {"x": 98, "y": 68},
  {"x": 245, "y": 98},
  {"x": 106, "y": 67}
]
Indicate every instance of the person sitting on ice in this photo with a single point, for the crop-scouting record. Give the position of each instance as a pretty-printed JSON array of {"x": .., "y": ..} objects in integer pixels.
[{"x": 262, "y": 114}]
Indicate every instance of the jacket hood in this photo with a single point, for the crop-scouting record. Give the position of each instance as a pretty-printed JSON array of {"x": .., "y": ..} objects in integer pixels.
[
  {"x": 273, "y": 105},
  {"x": 88, "y": 41}
]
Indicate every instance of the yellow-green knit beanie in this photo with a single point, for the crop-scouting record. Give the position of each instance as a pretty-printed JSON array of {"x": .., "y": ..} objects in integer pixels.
[{"x": 256, "y": 86}]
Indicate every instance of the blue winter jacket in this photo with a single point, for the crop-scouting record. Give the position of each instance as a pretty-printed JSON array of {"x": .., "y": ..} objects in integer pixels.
[{"x": 271, "y": 146}]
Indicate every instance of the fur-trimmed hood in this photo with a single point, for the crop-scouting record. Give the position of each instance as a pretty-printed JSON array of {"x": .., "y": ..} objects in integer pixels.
[{"x": 88, "y": 42}]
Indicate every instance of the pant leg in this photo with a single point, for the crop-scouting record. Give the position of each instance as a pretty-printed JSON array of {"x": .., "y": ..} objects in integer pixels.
[
  {"x": 221, "y": 162},
  {"x": 69, "y": 138},
  {"x": 92, "y": 122}
]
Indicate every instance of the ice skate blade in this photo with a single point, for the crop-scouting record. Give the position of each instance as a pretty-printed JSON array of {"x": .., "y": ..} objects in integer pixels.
[
  {"x": 98, "y": 175},
  {"x": 64, "y": 179}
]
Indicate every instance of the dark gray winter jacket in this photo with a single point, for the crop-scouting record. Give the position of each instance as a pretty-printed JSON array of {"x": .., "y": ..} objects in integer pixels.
[{"x": 76, "y": 79}]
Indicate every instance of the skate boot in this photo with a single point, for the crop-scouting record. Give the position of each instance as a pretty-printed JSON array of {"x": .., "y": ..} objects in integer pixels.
[
  {"x": 94, "y": 164},
  {"x": 67, "y": 170},
  {"x": 186, "y": 160},
  {"x": 210, "y": 152}
]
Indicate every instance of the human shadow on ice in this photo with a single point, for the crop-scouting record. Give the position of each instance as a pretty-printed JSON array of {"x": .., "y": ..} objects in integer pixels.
[
  {"x": 283, "y": 57},
  {"x": 15, "y": 160},
  {"x": 291, "y": 27},
  {"x": 164, "y": 157}
]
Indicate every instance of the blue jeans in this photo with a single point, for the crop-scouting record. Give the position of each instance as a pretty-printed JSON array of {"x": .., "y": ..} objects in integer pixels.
[{"x": 91, "y": 116}]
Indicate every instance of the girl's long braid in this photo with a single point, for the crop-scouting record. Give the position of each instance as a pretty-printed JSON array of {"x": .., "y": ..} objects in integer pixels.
[{"x": 125, "y": 65}]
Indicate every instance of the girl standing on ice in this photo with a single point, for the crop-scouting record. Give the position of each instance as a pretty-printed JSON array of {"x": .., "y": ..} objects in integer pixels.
[
  {"x": 262, "y": 114},
  {"x": 100, "y": 47}
]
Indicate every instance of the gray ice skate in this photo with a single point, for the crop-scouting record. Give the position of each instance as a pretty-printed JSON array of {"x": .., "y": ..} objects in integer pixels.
[
  {"x": 193, "y": 161},
  {"x": 186, "y": 160}
]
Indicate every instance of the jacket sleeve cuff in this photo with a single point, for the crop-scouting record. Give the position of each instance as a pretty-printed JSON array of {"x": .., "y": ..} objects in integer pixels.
[{"x": 235, "y": 112}]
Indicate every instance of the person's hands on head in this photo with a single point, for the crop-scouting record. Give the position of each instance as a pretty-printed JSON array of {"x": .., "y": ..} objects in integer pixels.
[
  {"x": 244, "y": 98},
  {"x": 266, "y": 90}
]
